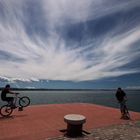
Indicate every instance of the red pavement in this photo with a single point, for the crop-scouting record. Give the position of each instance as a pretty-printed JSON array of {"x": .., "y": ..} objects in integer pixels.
[{"x": 42, "y": 121}]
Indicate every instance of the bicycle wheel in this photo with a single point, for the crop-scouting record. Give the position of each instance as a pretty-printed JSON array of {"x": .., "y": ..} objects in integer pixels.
[
  {"x": 127, "y": 112},
  {"x": 6, "y": 110},
  {"x": 24, "y": 101}
]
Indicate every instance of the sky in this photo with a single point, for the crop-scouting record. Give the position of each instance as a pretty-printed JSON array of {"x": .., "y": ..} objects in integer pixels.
[{"x": 70, "y": 43}]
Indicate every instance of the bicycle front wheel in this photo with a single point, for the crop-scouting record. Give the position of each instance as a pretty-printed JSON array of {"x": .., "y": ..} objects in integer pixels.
[
  {"x": 6, "y": 110},
  {"x": 24, "y": 101}
]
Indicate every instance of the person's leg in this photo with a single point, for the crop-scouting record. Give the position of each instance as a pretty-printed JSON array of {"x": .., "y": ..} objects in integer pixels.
[
  {"x": 122, "y": 109},
  {"x": 10, "y": 101}
]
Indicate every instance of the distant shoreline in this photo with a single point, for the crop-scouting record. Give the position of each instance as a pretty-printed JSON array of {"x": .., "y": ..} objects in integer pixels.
[{"x": 45, "y": 89}]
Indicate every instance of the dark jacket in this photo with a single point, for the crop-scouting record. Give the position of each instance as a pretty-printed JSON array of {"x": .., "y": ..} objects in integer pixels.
[
  {"x": 3, "y": 94},
  {"x": 120, "y": 94}
]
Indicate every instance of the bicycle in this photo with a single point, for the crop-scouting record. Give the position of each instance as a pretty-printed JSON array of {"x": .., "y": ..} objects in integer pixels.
[
  {"x": 127, "y": 115},
  {"x": 125, "y": 111},
  {"x": 6, "y": 110}
]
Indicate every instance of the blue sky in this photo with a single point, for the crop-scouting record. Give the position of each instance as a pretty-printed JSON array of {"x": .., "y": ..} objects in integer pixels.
[{"x": 70, "y": 43}]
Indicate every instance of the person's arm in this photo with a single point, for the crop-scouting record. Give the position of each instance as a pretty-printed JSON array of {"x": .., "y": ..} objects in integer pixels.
[{"x": 11, "y": 92}]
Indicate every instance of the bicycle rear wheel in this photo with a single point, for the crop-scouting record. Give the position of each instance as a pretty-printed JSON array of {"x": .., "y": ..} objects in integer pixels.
[
  {"x": 24, "y": 101},
  {"x": 6, "y": 110},
  {"x": 127, "y": 112}
]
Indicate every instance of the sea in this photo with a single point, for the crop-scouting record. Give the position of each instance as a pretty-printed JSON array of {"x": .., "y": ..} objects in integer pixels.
[{"x": 100, "y": 97}]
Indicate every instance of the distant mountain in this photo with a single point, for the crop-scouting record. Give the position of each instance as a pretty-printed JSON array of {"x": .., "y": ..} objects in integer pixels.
[
  {"x": 23, "y": 83},
  {"x": 44, "y": 84}
]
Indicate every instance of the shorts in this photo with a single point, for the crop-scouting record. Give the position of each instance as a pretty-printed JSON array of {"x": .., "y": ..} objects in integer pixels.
[{"x": 8, "y": 99}]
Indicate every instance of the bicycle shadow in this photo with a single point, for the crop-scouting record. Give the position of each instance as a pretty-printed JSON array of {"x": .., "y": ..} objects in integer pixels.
[
  {"x": 6, "y": 118},
  {"x": 12, "y": 117},
  {"x": 18, "y": 116}
]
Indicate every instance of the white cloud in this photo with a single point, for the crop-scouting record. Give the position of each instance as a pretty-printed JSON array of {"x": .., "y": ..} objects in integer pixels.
[
  {"x": 4, "y": 78},
  {"x": 133, "y": 87},
  {"x": 13, "y": 80},
  {"x": 62, "y": 11},
  {"x": 50, "y": 58}
]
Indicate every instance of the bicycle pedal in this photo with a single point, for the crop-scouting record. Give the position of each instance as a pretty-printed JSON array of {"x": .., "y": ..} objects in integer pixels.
[
  {"x": 13, "y": 107},
  {"x": 20, "y": 109}
]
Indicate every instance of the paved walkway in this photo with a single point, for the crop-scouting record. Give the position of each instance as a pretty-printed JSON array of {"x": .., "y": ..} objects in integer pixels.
[
  {"x": 128, "y": 131},
  {"x": 40, "y": 122}
]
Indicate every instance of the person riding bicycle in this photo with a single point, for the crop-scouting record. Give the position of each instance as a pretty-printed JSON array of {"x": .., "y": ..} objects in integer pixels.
[
  {"x": 4, "y": 97},
  {"x": 122, "y": 98}
]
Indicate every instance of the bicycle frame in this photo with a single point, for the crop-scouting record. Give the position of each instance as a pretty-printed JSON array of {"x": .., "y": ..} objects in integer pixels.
[
  {"x": 15, "y": 99},
  {"x": 124, "y": 109}
]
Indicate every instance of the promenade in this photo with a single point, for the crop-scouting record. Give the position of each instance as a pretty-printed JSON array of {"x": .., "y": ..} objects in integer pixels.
[{"x": 44, "y": 122}]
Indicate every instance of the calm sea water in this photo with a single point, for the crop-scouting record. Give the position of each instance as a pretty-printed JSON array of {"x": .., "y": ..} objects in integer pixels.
[{"x": 100, "y": 97}]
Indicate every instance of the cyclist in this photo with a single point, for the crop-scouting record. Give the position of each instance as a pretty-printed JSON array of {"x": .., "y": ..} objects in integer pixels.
[
  {"x": 4, "y": 97},
  {"x": 122, "y": 98}
]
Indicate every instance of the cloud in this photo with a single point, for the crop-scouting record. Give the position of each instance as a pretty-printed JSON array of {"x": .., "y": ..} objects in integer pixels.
[
  {"x": 37, "y": 49},
  {"x": 133, "y": 87},
  {"x": 13, "y": 80},
  {"x": 62, "y": 11}
]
